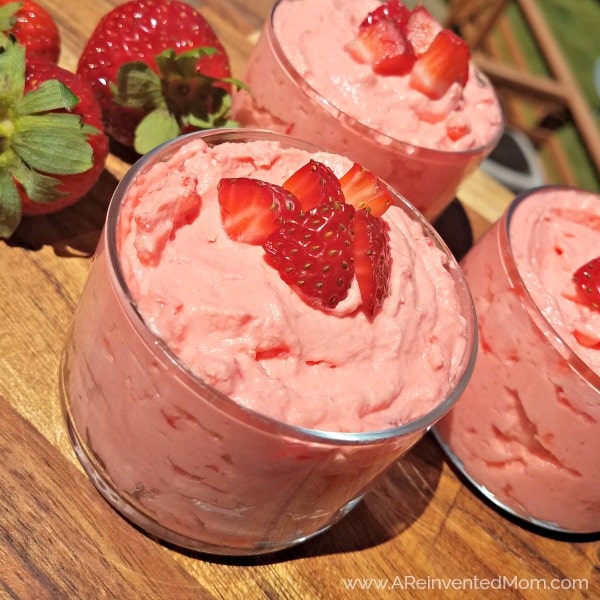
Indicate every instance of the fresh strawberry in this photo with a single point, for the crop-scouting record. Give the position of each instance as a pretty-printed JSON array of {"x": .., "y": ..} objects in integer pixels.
[
  {"x": 251, "y": 209},
  {"x": 363, "y": 189},
  {"x": 314, "y": 251},
  {"x": 457, "y": 127},
  {"x": 381, "y": 41},
  {"x": 32, "y": 25},
  {"x": 372, "y": 259},
  {"x": 158, "y": 70},
  {"x": 421, "y": 29},
  {"x": 587, "y": 281},
  {"x": 445, "y": 62},
  {"x": 313, "y": 184},
  {"x": 393, "y": 10},
  {"x": 52, "y": 147}
]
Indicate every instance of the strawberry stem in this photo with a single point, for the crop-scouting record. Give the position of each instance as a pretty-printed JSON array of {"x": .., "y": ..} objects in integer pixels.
[{"x": 176, "y": 98}]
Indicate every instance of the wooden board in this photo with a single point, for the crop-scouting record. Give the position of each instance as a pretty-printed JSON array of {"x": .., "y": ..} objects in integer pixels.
[{"x": 59, "y": 538}]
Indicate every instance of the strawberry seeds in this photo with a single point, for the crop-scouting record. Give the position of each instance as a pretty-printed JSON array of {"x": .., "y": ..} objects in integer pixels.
[
  {"x": 394, "y": 40},
  {"x": 318, "y": 231}
]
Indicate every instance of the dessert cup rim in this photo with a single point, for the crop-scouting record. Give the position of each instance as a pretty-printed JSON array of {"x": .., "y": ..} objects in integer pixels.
[
  {"x": 220, "y": 400},
  {"x": 351, "y": 122},
  {"x": 560, "y": 345}
]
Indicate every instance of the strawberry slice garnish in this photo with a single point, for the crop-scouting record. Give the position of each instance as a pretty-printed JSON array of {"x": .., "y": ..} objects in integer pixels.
[
  {"x": 587, "y": 282},
  {"x": 445, "y": 62},
  {"x": 421, "y": 29},
  {"x": 393, "y": 10},
  {"x": 372, "y": 259},
  {"x": 363, "y": 189},
  {"x": 313, "y": 184},
  {"x": 381, "y": 41},
  {"x": 313, "y": 252},
  {"x": 251, "y": 209}
]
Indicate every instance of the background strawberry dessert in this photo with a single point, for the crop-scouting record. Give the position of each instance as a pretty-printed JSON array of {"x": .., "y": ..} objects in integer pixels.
[
  {"x": 527, "y": 429},
  {"x": 388, "y": 87},
  {"x": 262, "y": 334}
]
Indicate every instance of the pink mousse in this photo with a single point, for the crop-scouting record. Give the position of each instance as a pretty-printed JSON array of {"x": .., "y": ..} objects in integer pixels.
[
  {"x": 232, "y": 320},
  {"x": 313, "y": 33},
  {"x": 528, "y": 425},
  {"x": 378, "y": 121}
]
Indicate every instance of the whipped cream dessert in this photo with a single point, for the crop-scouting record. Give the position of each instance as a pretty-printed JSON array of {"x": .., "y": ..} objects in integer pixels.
[
  {"x": 527, "y": 428},
  {"x": 303, "y": 81},
  {"x": 192, "y": 364},
  {"x": 243, "y": 330}
]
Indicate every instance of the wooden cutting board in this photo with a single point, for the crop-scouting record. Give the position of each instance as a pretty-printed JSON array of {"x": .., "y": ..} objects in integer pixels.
[{"x": 59, "y": 538}]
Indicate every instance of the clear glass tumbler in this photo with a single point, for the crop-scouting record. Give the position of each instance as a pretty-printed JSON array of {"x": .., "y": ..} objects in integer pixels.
[
  {"x": 137, "y": 414},
  {"x": 282, "y": 100},
  {"x": 526, "y": 431}
]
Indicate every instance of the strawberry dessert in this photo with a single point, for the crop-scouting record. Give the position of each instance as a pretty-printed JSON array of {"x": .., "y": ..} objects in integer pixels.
[
  {"x": 266, "y": 328},
  {"x": 387, "y": 86},
  {"x": 527, "y": 429}
]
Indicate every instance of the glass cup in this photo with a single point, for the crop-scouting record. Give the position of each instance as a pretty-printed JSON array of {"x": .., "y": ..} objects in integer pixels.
[
  {"x": 526, "y": 431},
  {"x": 280, "y": 99},
  {"x": 182, "y": 460}
]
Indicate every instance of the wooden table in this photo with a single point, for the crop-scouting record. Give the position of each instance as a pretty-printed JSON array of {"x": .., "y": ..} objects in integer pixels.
[{"x": 59, "y": 538}]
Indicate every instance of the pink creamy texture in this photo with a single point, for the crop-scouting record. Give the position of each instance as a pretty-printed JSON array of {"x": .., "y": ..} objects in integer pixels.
[
  {"x": 552, "y": 235},
  {"x": 313, "y": 34},
  {"x": 527, "y": 427},
  {"x": 377, "y": 121},
  {"x": 236, "y": 324}
]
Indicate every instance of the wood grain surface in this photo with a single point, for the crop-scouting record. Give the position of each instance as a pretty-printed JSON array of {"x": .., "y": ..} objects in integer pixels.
[{"x": 60, "y": 539}]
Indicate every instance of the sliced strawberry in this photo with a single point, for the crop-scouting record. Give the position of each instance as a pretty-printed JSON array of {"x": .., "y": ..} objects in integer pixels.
[
  {"x": 252, "y": 209},
  {"x": 421, "y": 29},
  {"x": 382, "y": 43},
  {"x": 587, "y": 281},
  {"x": 313, "y": 253},
  {"x": 363, "y": 189},
  {"x": 445, "y": 62},
  {"x": 313, "y": 184},
  {"x": 372, "y": 259},
  {"x": 393, "y": 10}
]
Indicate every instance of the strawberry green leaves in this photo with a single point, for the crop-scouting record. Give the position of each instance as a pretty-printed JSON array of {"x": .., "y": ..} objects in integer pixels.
[
  {"x": 177, "y": 98},
  {"x": 10, "y": 205},
  {"x": 39, "y": 138}
]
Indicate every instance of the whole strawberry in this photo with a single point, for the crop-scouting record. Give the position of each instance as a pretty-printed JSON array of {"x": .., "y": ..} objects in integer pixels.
[
  {"x": 158, "y": 70},
  {"x": 52, "y": 147},
  {"x": 32, "y": 25}
]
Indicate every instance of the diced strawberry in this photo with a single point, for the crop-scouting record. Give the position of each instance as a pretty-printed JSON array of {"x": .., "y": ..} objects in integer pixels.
[
  {"x": 586, "y": 340},
  {"x": 445, "y": 62},
  {"x": 421, "y": 29},
  {"x": 587, "y": 281},
  {"x": 363, "y": 189},
  {"x": 372, "y": 259},
  {"x": 457, "y": 127},
  {"x": 313, "y": 184},
  {"x": 382, "y": 43},
  {"x": 313, "y": 253},
  {"x": 393, "y": 9},
  {"x": 252, "y": 209}
]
